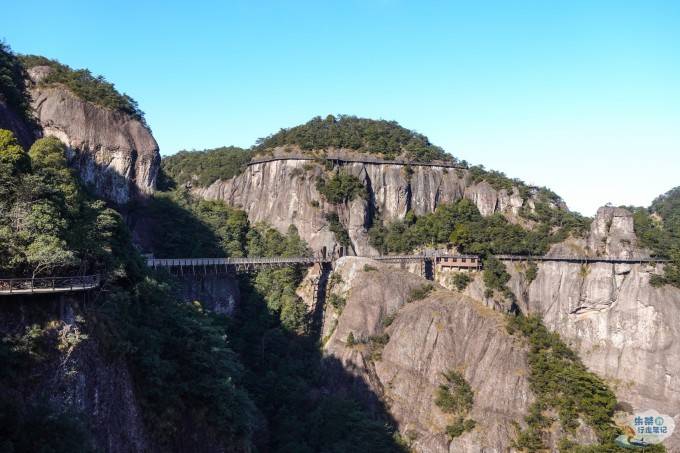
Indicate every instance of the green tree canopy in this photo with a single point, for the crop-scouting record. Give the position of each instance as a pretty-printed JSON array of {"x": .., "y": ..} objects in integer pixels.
[{"x": 385, "y": 138}]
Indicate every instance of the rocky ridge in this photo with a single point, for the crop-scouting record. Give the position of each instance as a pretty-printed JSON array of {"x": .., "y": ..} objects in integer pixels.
[
  {"x": 283, "y": 192},
  {"x": 113, "y": 152}
]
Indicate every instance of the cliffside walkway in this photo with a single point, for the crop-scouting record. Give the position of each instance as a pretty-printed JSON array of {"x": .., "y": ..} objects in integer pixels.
[
  {"x": 361, "y": 160},
  {"x": 582, "y": 259},
  {"x": 217, "y": 265},
  {"x": 194, "y": 266},
  {"x": 47, "y": 285}
]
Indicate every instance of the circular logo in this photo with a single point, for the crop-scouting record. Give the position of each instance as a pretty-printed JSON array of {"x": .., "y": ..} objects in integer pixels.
[{"x": 646, "y": 428}]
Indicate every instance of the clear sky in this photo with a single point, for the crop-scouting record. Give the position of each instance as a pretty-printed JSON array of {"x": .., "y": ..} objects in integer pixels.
[{"x": 581, "y": 96}]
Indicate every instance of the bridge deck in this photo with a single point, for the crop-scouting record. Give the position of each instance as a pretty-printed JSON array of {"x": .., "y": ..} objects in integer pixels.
[
  {"x": 361, "y": 160},
  {"x": 48, "y": 285}
]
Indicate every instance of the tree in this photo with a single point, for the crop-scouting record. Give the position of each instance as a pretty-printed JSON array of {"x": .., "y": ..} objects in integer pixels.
[
  {"x": 47, "y": 253},
  {"x": 12, "y": 154}
]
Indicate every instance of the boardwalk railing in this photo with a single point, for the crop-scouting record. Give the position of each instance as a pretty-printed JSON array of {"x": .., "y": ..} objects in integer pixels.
[
  {"x": 16, "y": 286},
  {"x": 361, "y": 160},
  {"x": 582, "y": 259},
  {"x": 220, "y": 265},
  {"x": 271, "y": 262}
]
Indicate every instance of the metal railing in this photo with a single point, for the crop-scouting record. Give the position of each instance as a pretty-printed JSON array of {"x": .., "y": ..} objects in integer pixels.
[
  {"x": 10, "y": 286},
  {"x": 581, "y": 259},
  {"x": 188, "y": 262},
  {"x": 361, "y": 160}
]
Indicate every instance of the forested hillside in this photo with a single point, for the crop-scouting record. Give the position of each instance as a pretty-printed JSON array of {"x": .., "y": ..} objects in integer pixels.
[
  {"x": 81, "y": 82},
  {"x": 233, "y": 372},
  {"x": 203, "y": 167},
  {"x": 658, "y": 228},
  {"x": 383, "y": 138}
]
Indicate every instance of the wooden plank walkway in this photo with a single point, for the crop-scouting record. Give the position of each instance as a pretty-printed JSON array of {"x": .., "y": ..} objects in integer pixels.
[
  {"x": 582, "y": 259},
  {"x": 361, "y": 160},
  {"x": 48, "y": 285}
]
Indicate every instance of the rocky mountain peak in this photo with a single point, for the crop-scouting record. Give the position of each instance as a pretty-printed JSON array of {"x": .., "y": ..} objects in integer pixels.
[
  {"x": 108, "y": 141},
  {"x": 612, "y": 233}
]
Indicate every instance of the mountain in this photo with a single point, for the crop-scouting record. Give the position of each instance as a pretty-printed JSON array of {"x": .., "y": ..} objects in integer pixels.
[
  {"x": 108, "y": 140},
  {"x": 354, "y": 355}
]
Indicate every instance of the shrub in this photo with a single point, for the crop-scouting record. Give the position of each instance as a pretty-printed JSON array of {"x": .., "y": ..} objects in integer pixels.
[
  {"x": 341, "y": 188},
  {"x": 337, "y": 302},
  {"x": 389, "y": 319},
  {"x": 350, "y": 341},
  {"x": 376, "y": 344},
  {"x": 461, "y": 280},
  {"x": 420, "y": 292},
  {"x": 531, "y": 272},
  {"x": 459, "y": 426},
  {"x": 495, "y": 276},
  {"x": 338, "y": 229},
  {"x": 561, "y": 383},
  {"x": 455, "y": 396}
]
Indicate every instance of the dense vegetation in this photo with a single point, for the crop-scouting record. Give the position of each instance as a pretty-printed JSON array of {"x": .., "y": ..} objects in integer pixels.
[
  {"x": 271, "y": 333},
  {"x": 82, "y": 83},
  {"x": 561, "y": 383},
  {"x": 455, "y": 397},
  {"x": 462, "y": 225},
  {"x": 191, "y": 368},
  {"x": 658, "y": 228},
  {"x": 205, "y": 166},
  {"x": 46, "y": 220},
  {"x": 13, "y": 82},
  {"x": 384, "y": 138},
  {"x": 50, "y": 225},
  {"x": 340, "y": 188}
]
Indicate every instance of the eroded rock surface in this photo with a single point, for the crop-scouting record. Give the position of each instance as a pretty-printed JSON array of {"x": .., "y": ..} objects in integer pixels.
[
  {"x": 623, "y": 328},
  {"x": 113, "y": 152},
  {"x": 283, "y": 192},
  {"x": 427, "y": 337}
]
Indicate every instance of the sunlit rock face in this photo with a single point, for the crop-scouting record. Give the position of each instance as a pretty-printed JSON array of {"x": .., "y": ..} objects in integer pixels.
[
  {"x": 113, "y": 152},
  {"x": 623, "y": 328},
  {"x": 283, "y": 192},
  {"x": 427, "y": 337}
]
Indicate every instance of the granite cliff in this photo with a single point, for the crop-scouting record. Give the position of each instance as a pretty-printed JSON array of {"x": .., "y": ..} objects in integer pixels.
[
  {"x": 283, "y": 192},
  {"x": 114, "y": 152},
  {"x": 624, "y": 329}
]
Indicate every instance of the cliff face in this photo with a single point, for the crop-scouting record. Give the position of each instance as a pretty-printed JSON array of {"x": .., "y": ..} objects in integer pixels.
[
  {"x": 113, "y": 152},
  {"x": 75, "y": 375},
  {"x": 442, "y": 332},
  {"x": 624, "y": 329},
  {"x": 283, "y": 192}
]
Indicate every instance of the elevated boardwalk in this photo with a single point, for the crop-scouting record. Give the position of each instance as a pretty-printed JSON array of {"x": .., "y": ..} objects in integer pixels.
[
  {"x": 361, "y": 160},
  {"x": 48, "y": 285},
  {"x": 218, "y": 265},
  {"x": 582, "y": 259},
  {"x": 227, "y": 265}
]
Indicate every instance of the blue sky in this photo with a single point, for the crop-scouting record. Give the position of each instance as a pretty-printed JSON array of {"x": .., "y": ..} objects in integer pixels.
[{"x": 581, "y": 96}]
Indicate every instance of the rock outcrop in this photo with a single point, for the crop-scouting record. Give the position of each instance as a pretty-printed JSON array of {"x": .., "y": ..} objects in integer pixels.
[
  {"x": 623, "y": 328},
  {"x": 283, "y": 192},
  {"x": 427, "y": 337},
  {"x": 113, "y": 152}
]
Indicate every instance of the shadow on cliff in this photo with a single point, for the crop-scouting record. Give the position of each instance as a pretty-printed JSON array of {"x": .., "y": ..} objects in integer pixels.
[
  {"x": 310, "y": 402},
  {"x": 161, "y": 225}
]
